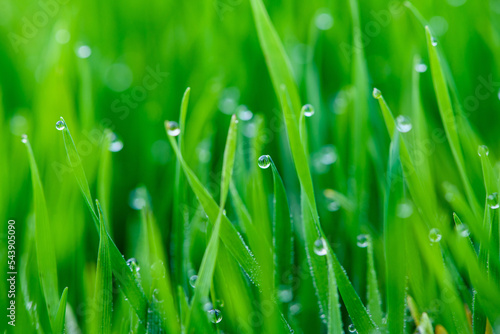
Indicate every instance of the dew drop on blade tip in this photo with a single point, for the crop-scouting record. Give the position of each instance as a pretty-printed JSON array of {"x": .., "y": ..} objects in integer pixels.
[
  {"x": 264, "y": 161},
  {"x": 308, "y": 110},
  {"x": 377, "y": 93},
  {"x": 173, "y": 129}
]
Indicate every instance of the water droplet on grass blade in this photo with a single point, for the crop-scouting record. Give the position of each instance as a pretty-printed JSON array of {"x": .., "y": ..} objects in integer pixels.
[
  {"x": 377, "y": 93},
  {"x": 435, "y": 235},
  {"x": 481, "y": 149},
  {"x": 60, "y": 125},
  {"x": 192, "y": 280},
  {"x": 116, "y": 144},
  {"x": 493, "y": 201},
  {"x": 133, "y": 265},
  {"x": 285, "y": 294},
  {"x": 264, "y": 161},
  {"x": 24, "y": 139},
  {"x": 403, "y": 124},
  {"x": 351, "y": 328},
  {"x": 462, "y": 230},
  {"x": 215, "y": 316},
  {"x": 363, "y": 240},
  {"x": 421, "y": 68},
  {"x": 173, "y": 129},
  {"x": 320, "y": 247},
  {"x": 244, "y": 114},
  {"x": 308, "y": 110}
]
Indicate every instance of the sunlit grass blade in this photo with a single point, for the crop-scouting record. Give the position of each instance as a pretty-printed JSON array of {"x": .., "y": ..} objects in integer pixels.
[
  {"x": 448, "y": 117},
  {"x": 394, "y": 243},
  {"x": 228, "y": 233},
  {"x": 61, "y": 313},
  {"x": 425, "y": 326},
  {"x": 121, "y": 271},
  {"x": 46, "y": 257},
  {"x": 103, "y": 292}
]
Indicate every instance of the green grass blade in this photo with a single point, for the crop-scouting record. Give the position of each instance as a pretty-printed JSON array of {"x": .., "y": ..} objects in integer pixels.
[
  {"x": 61, "y": 313},
  {"x": 207, "y": 267},
  {"x": 101, "y": 322},
  {"x": 394, "y": 243},
  {"x": 46, "y": 257},
  {"x": 374, "y": 298},
  {"x": 104, "y": 178},
  {"x": 448, "y": 117},
  {"x": 276, "y": 58},
  {"x": 282, "y": 234},
  {"x": 228, "y": 233},
  {"x": 121, "y": 271}
]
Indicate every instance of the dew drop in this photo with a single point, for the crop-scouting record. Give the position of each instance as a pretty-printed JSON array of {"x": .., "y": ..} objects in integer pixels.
[
  {"x": 264, "y": 161},
  {"x": 133, "y": 264},
  {"x": 377, "y": 93},
  {"x": 173, "y": 129},
  {"x": 435, "y": 235},
  {"x": 404, "y": 209},
  {"x": 308, "y": 110},
  {"x": 244, "y": 114},
  {"x": 483, "y": 148},
  {"x": 421, "y": 68},
  {"x": 320, "y": 247},
  {"x": 60, "y": 125},
  {"x": 215, "y": 316},
  {"x": 158, "y": 269},
  {"x": 493, "y": 201},
  {"x": 192, "y": 280},
  {"x": 363, "y": 240},
  {"x": 434, "y": 41},
  {"x": 351, "y": 328},
  {"x": 116, "y": 144},
  {"x": 285, "y": 294},
  {"x": 403, "y": 124},
  {"x": 24, "y": 139},
  {"x": 462, "y": 230}
]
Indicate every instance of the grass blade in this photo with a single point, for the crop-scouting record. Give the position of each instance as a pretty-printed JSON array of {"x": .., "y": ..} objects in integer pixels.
[
  {"x": 46, "y": 257},
  {"x": 61, "y": 313},
  {"x": 121, "y": 271},
  {"x": 374, "y": 298},
  {"x": 103, "y": 284},
  {"x": 394, "y": 247},
  {"x": 207, "y": 267}
]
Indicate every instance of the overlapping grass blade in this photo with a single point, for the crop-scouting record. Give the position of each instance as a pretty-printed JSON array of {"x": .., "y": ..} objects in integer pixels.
[
  {"x": 448, "y": 117},
  {"x": 46, "y": 257},
  {"x": 282, "y": 235},
  {"x": 61, "y": 313},
  {"x": 103, "y": 292},
  {"x": 394, "y": 229},
  {"x": 207, "y": 267},
  {"x": 121, "y": 271},
  {"x": 228, "y": 233}
]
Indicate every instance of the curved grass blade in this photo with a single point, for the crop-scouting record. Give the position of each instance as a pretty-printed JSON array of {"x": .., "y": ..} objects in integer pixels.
[
  {"x": 276, "y": 58},
  {"x": 394, "y": 245},
  {"x": 104, "y": 178},
  {"x": 46, "y": 257},
  {"x": 282, "y": 235},
  {"x": 207, "y": 266},
  {"x": 228, "y": 233},
  {"x": 121, "y": 271},
  {"x": 61, "y": 313},
  {"x": 103, "y": 292},
  {"x": 448, "y": 117}
]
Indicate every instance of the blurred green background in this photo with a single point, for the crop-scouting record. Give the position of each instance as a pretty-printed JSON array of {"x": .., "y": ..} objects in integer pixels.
[{"x": 125, "y": 65}]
